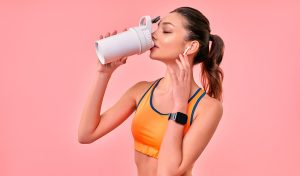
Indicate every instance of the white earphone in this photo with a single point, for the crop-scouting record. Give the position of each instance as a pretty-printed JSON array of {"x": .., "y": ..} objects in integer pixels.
[{"x": 186, "y": 50}]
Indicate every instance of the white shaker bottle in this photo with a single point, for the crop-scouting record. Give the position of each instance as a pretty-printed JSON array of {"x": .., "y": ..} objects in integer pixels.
[{"x": 136, "y": 40}]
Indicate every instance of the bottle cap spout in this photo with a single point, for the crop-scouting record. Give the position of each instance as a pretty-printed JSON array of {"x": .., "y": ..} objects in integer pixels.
[{"x": 156, "y": 19}]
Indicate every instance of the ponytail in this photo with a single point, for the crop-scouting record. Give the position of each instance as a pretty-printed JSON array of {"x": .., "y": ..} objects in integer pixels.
[{"x": 212, "y": 75}]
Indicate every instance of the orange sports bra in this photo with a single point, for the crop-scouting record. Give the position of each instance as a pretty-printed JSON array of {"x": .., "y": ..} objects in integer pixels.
[{"x": 149, "y": 125}]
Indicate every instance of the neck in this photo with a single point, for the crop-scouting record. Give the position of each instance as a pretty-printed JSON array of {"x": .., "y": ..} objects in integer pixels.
[{"x": 165, "y": 85}]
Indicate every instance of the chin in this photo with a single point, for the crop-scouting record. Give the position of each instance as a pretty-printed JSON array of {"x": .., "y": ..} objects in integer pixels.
[
  {"x": 152, "y": 56},
  {"x": 155, "y": 56}
]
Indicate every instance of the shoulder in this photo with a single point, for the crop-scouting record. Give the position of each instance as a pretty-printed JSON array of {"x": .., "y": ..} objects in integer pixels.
[
  {"x": 139, "y": 88},
  {"x": 209, "y": 106}
]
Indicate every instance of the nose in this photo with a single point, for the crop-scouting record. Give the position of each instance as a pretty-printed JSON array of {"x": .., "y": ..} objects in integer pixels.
[{"x": 154, "y": 35}]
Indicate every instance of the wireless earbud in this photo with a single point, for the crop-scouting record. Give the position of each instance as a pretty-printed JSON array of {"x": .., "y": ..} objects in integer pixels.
[{"x": 186, "y": 50}]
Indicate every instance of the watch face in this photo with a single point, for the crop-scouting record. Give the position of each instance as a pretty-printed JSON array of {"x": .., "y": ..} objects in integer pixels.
[{"x": 178, "y": 117}]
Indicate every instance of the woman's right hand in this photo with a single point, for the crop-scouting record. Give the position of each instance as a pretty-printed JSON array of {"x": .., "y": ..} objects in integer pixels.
[{"x": 110, "y": 67}]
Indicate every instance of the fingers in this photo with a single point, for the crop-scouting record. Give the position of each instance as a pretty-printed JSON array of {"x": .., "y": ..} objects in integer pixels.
[
  {"x": 106, "y": 35},
  {"x": 182, "y": 67},
  {"x": 181, "y": 70},
  {"x": 184, "y": 60},
  {"x": 185, "y": 65},
  {"x": 109, "y": 34},
  {"x": 115, "y": 32},
  {"x": 123, "y": 60},
  {"x": 117, "y": 62}
]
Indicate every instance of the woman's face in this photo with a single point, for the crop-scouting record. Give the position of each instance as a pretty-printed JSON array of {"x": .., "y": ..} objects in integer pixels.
[{"x": 169, "y": 38}]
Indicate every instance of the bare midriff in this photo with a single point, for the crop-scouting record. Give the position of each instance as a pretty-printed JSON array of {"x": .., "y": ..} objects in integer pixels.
[{"x": 147, "y": 166}]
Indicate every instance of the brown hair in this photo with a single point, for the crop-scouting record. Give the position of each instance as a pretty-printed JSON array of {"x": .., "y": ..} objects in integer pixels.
[{"x": 198, "y": 29}]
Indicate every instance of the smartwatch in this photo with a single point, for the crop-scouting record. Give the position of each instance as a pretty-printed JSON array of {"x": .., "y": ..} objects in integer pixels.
[{"x": 178, "y": 117}]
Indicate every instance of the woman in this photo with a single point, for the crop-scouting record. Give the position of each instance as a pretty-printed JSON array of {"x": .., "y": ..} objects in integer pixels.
[{"x": 171, "y": 126}]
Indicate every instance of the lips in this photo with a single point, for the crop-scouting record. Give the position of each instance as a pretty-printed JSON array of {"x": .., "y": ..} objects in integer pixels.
[{"x": 154, "y": 46}]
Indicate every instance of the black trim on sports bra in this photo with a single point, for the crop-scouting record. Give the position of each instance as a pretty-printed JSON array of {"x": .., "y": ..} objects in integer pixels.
[
  {"x": 194, "y": 108},
  {"x": 146, "y": 93},
  {"x": 151, "y": 95}
]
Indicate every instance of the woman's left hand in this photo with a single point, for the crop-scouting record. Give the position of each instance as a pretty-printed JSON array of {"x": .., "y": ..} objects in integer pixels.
[{"x": 181, "y": 81}]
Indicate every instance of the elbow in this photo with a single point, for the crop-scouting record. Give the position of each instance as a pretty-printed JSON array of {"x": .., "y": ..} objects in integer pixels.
[
  {"x": 83, "y": 139},
  {"x": 84, "y": 136}
]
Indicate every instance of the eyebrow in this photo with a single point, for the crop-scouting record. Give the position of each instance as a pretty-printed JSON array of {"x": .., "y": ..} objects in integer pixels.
[{"x": 165, "y": 23}]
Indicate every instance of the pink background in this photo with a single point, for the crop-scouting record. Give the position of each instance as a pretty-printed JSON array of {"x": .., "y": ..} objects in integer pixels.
[{"x": 48, "y": 63}]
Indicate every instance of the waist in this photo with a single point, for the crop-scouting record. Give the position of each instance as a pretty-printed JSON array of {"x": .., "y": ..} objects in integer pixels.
[
  {"x": 150, "y": 151},
  {"x": 147, "y": 165}
]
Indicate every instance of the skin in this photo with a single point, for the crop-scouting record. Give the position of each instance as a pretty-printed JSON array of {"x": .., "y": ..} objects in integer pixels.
[{"x": 177, "y": 86}]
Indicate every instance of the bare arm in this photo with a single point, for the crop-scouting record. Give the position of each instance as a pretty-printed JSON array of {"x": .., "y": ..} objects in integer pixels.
[
  {"x": 90, "y": 127},
  {"x": 90, "y": 116},
  {"x": 93, "y": 126}
]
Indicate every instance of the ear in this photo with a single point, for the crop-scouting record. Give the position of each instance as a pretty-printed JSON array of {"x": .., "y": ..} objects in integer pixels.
[{"x": 194, "y": 47}]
